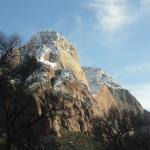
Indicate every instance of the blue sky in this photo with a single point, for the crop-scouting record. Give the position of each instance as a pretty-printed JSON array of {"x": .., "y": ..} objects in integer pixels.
[{"x": 111, "y": 34}]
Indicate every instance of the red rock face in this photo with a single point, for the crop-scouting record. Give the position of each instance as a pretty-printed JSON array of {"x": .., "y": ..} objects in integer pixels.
[
  {"x": 69, "y": 105},
  {"x": 49, "y": 92},
  {"x": 108, "y": 97},
  {"x": 108, "y": 93},
  {"x": 105, "y": 100}
]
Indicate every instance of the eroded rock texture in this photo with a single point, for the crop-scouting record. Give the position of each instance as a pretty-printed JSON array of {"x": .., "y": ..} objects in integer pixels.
[
  {"x": 43, "y": 91},
  {"x": 108, "y": 93}
]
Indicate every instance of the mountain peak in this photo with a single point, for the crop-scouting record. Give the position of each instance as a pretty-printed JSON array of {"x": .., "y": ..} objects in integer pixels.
[
  {"x": 47, "y": 79},
  {"x": 50, "y": 48},
  {"x": 98, "y": 77},
  {"x": 46, "y": 35}
]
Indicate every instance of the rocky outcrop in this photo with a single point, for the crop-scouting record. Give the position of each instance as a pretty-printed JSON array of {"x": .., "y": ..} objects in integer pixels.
[
  {"x": 69, "y": 102},
  {"x": 108, "y": 93},
  {"x": 44, "y": 90},
  {"x": 48, "y": 90},
  {"x": 126, "y": 99},
  {"x": 53, "y": 49},
  {"x": 57, "y": 66},
  {"x": 105, "y": 100},
  {"x": 97, "y": 77}
]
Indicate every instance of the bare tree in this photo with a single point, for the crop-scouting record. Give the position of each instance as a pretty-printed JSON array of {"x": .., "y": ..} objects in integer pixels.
[
  {"x": 21, "y": 115},
  {"x": 18, "y": 106},
  {"x": 8, "y": 45},
  {"x": 114, "y": 128},
  {"x": 9, "y": 42}
]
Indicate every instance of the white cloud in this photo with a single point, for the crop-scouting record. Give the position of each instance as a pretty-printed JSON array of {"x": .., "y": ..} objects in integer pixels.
[
  {"x": 145, "y": 3},
  {"x": 112, "y": 15},
  {"x": 138, "y": 68},
  {"x": 142, "y": 93}
]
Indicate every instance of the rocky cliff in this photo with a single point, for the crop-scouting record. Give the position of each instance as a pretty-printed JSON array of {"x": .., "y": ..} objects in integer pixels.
[
  {"x": 59, "y": 68},
  {"x": 44, "y": 90},
  {"x": 108, "y": 93},
  {"x": 53, "y": 50}
]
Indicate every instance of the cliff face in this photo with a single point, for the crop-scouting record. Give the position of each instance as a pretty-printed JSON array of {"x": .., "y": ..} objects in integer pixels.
[
  {"x": 46, "y": 89},
  {"x": 53, "y": 49},
  {"x": 69, "y": 102},
  {"x": 97, "y": 77},
  {"x": 58, "y": 67},
  {"x": 105, "y": 100},
  {"x": 108, "y": 93},
  {"x": 126, "y": 100}
]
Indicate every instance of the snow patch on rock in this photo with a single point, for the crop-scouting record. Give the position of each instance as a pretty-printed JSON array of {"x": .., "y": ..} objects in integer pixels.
[
  {"x": 97, "y": 77},
  {"x": 42, "y": 46},
  {"x": 47, "y": 56},
  {"x": 42, "y": 74},
  {"x": 63, "y": 75}
]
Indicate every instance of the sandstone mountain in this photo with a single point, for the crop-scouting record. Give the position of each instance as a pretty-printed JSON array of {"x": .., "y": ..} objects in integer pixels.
[
  {"x": 59, "y": 69},
  {"x": 44, "y": 89},
  {"x": 108, "y": 93},
  {"x": 54, "y": 50}
]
